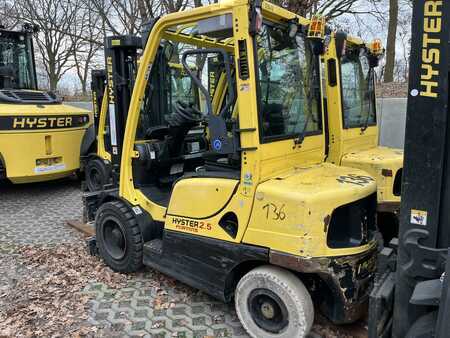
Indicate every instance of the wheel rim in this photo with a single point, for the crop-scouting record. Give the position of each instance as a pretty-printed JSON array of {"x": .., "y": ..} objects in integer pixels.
[
  {"x": 268, "y": 310},
  {"x": 114, "y": 239},
  {"x": 96, "y": 178}
]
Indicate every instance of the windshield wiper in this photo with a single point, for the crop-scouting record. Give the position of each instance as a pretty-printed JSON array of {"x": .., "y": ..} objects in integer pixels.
[
  {"x": 301, "y": 136},
  {"x": 315, "y": 93}
]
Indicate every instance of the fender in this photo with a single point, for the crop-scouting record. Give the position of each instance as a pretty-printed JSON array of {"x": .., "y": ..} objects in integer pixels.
[
  {"x": 88, "y": 140},
  {"x": 94, "y": 200}
]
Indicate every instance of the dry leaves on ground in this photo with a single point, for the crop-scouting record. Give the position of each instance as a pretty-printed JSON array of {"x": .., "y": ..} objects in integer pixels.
[{"x": 45, "y": 299}]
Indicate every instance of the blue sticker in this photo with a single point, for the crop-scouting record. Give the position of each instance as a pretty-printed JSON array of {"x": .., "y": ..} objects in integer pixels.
[{"x": 217, "y": 144}]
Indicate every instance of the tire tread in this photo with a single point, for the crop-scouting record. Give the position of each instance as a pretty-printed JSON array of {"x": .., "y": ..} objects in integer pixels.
[{"x": 134, "y": 262}]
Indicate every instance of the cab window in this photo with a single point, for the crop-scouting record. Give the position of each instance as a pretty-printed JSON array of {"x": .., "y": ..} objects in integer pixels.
[
  {"x": 288, "y": 85},
  {"x": 358, "y": 94},
  {"x": 182, "y": 89}
]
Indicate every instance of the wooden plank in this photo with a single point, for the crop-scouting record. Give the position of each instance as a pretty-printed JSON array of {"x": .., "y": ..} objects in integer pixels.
[{"x": 83, "y": 227}]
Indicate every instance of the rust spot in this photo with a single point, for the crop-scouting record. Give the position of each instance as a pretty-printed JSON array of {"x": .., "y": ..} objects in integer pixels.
[
  {"x": 349, "y": 279},
  {"x": 326, "y": 223}
]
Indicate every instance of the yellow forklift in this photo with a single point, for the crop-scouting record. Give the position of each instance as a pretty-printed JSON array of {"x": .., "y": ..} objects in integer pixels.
[
  {"x": 241, "y": 206},
  {"x": 349, "y": 71},
  {"x": 40, "y": 138}
]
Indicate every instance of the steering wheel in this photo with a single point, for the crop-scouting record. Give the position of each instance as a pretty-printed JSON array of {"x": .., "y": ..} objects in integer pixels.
[{"x": 187, "y": 111}]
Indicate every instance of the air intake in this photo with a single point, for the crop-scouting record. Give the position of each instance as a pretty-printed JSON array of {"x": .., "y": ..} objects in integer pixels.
[{"x": 28, "y": 96}]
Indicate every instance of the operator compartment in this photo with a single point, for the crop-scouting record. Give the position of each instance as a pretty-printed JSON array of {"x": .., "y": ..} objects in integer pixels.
[{"x": 173, "y": 137}]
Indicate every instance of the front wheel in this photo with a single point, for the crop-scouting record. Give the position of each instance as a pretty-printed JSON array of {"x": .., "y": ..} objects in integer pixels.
[
  {"x": 273, "y": 302},
  {"x": 119, "y": 239}
]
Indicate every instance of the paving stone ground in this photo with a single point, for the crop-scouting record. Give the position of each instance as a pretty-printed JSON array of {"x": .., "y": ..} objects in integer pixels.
[{"x": 36, "y": 214}]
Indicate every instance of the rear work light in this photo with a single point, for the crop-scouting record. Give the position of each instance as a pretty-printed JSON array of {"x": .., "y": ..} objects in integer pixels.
[
  {"x": 317, "y": 27},
  {"x": 376, "y": 47}
]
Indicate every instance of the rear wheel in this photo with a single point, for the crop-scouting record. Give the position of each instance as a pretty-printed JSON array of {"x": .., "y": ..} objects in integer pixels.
[
  {"x": 273, "y": 302},
  {"x": 424, "y": 327},
  {"x": 118, "y": 236},
  {"x": 96, "y": 174}
]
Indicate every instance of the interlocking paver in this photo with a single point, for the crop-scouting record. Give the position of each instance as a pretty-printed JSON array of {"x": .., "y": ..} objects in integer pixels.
[{"x": 36, "y": 214}]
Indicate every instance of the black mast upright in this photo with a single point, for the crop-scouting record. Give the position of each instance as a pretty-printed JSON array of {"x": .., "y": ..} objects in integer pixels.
[
  {"x": 121, "y": 53},
  {"x": 425, "y": 206},
  {"x": 98, "y": 85}
]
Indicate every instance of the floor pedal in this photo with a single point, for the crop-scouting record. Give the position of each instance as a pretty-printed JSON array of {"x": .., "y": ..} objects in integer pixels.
[{"x": 155, "y": 246}]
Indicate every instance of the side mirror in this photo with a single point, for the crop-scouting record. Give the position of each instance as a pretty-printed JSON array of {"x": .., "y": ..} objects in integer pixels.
[{"x": 341, "y": 41}]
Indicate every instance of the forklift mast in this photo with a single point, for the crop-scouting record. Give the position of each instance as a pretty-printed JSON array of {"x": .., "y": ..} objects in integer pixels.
[
  {"x": 424, "y": 236},
  {"x": 98, "y": 85},
  {"x": 416, "y": 289},
  {"x": 121, "y": 54}
]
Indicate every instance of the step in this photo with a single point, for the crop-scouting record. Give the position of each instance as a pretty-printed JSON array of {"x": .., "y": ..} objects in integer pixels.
[{"x": 154, "y": 246}]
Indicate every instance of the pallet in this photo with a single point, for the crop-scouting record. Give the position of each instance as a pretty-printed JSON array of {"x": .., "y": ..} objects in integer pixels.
[{"x": 82, "y": 227}]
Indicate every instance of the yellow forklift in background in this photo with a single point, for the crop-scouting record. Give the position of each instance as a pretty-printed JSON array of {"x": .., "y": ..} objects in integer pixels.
[
  {"x": 40, "y": 138},
  {"x": 349, "y": 71},
  {"x": 241, "y": 205}
]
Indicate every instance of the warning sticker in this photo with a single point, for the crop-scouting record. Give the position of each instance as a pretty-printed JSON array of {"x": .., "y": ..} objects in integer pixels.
[{"x": 418, "y": 217}]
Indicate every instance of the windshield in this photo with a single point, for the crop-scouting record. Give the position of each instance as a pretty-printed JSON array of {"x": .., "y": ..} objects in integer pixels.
[
  {"x": 358, "y": 94},
  {"x": 16, "y": 65},
  {"x": 289, "y": 85}
]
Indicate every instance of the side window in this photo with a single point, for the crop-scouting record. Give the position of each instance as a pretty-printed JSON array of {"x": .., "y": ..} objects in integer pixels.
[
  {"x": 358, "y": 95},
  {"x": 289, "y": 85}
]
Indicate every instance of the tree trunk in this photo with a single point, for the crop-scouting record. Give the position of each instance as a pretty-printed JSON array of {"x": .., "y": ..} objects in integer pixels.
[
  {"x": 53, "y": 82},
  {"x": 390, "y": 47},
  {"x": 84, "y": 87}
]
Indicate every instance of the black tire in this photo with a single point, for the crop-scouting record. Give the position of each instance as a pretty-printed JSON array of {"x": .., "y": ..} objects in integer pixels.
[
  {"x": 119, "y": 238},
  {"x": 424, "y": 327},
  {"x": 272, "y": 302},
  {"x": 97, "y": 174}
]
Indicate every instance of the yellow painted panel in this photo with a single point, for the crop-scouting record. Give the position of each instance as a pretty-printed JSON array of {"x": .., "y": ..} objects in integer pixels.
[
  {"x": 201, "y": 197},
  {"x": 373, "y": 161},
  {"x": 21, "y": 150},
  {"x": 290, "y": 211}
]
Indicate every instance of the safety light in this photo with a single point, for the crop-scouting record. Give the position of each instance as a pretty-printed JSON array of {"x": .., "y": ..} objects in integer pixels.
[
  {"x": 256, "y": 20},
  {"x": 316, "y": 34},
  {"x": 317, "y": 27},
  {"x": 375, "y": 52},
  {"x": 376, "y": 47}
]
